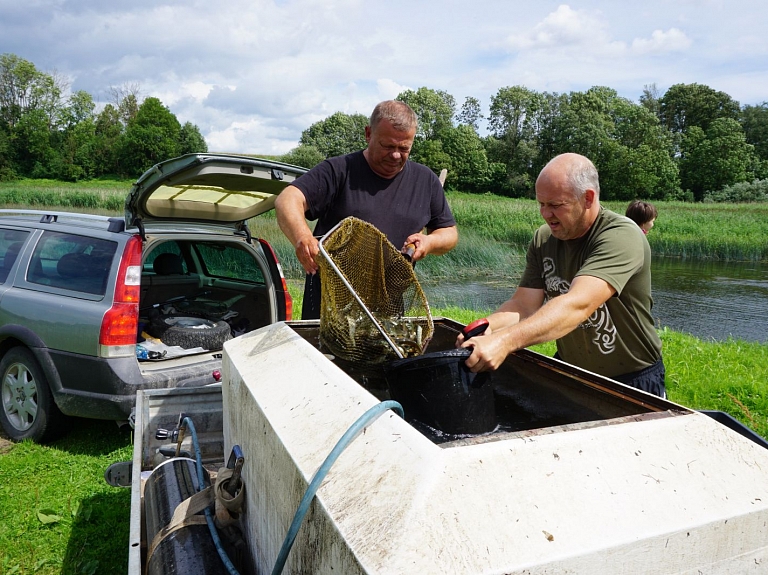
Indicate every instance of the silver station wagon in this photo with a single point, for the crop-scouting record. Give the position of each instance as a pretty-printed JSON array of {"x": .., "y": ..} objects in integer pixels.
[{"x": 93, "y": 308}]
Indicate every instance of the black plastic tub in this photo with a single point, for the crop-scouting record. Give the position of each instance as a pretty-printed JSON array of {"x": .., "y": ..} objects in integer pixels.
[{"x": 438, "y": 389}]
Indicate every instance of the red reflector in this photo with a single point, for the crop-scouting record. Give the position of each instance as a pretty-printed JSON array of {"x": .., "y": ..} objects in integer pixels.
[
  {"x": 288, "y": 303},
  {"x": 120, "y": 324}
]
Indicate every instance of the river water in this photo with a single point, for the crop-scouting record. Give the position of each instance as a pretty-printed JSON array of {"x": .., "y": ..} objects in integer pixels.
[{"x": 710, "y": 300}]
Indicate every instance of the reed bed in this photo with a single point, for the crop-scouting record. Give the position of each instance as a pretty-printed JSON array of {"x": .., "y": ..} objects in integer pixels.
[
  {"x": 728, "y": 232},
  {"x": 104, "y": 197}
]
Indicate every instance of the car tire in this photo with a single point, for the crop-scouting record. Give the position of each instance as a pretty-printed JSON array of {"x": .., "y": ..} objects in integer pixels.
[
  {"x": 28, "y": 410},
  {"x": 189, "y": 332}
]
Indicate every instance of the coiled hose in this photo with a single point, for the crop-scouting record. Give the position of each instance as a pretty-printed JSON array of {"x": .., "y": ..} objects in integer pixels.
[
  {"x": 355, "y": 429},
  {"x": 349, "y": 436}
]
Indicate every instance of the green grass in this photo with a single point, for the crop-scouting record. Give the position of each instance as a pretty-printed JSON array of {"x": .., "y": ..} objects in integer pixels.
[
  {"x": 59, "y": 515},
  {"x": 710, "y": 231},
  {"x": 99, "y": 196}
]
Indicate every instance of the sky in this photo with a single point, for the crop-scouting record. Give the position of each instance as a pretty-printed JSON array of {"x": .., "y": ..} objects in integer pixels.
[{"x": 252, "y": 75}]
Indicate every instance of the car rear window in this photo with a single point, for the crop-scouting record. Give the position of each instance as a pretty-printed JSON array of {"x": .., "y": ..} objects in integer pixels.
[
  {"x": 11, "y": 242},
  {"x": 72, "y": 262},
  {"x": 230, "y": 261}
]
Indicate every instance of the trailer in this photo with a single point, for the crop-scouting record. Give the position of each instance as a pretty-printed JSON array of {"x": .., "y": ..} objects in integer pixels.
[{"x": 578, "y": 473}]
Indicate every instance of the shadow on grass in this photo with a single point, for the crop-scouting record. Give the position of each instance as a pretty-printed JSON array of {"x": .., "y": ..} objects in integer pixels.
[
  {"x": 98, "y": 543},
  {"x": 93, "y": 437}
]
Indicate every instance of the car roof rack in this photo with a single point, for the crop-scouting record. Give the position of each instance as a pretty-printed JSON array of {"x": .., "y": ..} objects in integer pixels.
[{"x": 114, "y": 224}]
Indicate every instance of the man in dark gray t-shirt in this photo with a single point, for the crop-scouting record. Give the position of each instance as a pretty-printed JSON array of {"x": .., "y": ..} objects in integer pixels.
[{"x": 378, "y": 185}]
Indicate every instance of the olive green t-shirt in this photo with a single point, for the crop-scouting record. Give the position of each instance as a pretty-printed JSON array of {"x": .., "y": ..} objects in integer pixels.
[{"x": 619, "y": 337}]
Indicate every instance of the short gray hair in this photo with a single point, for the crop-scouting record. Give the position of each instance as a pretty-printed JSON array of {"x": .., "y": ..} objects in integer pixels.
[
  {"x": 582, "y": 176},
  {"x": 399, "y": 114}
]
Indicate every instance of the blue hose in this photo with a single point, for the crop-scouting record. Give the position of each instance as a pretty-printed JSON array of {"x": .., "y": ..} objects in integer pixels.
[
  {"x": 367, "y": 418},
  {"x": 208, "y": 518}
]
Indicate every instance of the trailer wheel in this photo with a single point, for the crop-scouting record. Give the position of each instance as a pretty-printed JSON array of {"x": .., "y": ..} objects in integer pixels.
[{"x": 189, "y": 332}]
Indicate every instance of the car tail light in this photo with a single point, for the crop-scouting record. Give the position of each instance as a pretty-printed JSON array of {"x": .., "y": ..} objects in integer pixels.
[
  {"x": 288, "y": 299},
  {"x": 121, "y": 322}
]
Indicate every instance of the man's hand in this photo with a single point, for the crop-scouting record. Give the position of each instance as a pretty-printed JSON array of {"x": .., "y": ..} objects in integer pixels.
[
  {"x": 436, "y": 242},
  {"x": 307, "y": 249},
  {"x": 416, "y": 244},
  {"x": 488, "y": 352}
]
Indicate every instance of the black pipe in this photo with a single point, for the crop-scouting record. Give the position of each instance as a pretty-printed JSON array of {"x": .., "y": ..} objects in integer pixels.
[{"x": 190, "y": 549}]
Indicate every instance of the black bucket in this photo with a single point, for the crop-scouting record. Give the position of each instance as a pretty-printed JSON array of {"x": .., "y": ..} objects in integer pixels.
[{"x": 439, "y": 390}]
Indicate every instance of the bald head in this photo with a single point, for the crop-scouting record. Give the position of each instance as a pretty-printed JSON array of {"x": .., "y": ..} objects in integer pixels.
[
  {"x": 572, "y": 171},
  {"x": 567, "y": 191}
]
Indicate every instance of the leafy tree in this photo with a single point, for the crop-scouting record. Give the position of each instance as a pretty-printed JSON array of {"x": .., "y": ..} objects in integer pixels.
[
  {"x": 304, "y": 155},
  {"x": 716, "y": 158},
  {"x": 754, "y": 121},
  {"x": 80, "y": 107},
  {"x": 431, "y": 154},
  {"x": 6, "y": 165},
  {"x": 470, "y": 113},
  {"x": 35, "y": 156},
  {"x": 151, "y": 137},
  {"x": 686, "y": 105},
  {"x": 23, "y": 88},
  {"x": 514, "y": 122},
  {"x": 191, "y": 140},
  {"x": 337, "y": 135},
  {"x": 434, "y": 109},
  {"x": 76, "y": 141},
  {"x": 468, "y": 170},
  {"x": 650, "y": 99},
  {"x": 108, "y": 130},
  {"x": 77, "y": 159},
  {"x": 125, "y": 99}
]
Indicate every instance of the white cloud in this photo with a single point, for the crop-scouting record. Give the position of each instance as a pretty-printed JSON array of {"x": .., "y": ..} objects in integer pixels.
[
  {"x": 565, "y": 28},
  {"x": 673, "y": 40},
  {"x": 252, "y": 74}
]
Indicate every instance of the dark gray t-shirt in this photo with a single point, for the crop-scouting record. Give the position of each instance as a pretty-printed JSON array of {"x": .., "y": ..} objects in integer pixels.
[
  {"x": 346, "y": 186},
  {"x": 620, "y": 337}
]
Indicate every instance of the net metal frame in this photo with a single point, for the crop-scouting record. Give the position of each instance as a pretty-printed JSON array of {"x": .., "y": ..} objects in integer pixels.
[{"x": 372, "y": 307}]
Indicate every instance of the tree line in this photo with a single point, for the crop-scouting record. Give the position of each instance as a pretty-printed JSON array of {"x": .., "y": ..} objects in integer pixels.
[
  {"x": 46, "y": 135},
  {"x": 692, "y": 143}
]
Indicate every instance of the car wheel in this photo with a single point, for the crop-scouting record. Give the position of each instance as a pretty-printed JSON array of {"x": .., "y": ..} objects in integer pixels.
[
  {"x": 28, "y": 410},
  {"x": 189, "y": 332}
]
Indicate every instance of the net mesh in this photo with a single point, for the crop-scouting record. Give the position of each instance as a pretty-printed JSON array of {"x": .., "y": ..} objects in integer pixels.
[{"x": 385, "y": 282}]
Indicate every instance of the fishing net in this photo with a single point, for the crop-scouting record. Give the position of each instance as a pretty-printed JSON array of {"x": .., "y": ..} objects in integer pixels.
[{"x": 372, "y": 307}]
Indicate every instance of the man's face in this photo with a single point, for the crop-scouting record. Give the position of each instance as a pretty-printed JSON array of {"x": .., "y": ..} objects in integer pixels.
[
  {"x": 565, "y": 213},
  {"x": 388, "y": 149}
]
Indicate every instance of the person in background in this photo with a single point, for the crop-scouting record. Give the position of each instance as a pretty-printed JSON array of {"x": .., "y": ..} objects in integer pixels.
[
  {"x": 586, "y": 284},
  {"x": 643, "y": 214},
  {"x": 378, "y": 185}
]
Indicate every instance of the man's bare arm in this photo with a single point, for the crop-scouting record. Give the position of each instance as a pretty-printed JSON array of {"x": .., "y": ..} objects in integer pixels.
[
  {"x": 290, "y": 207},
  {"x": 558, "y": 317}
]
